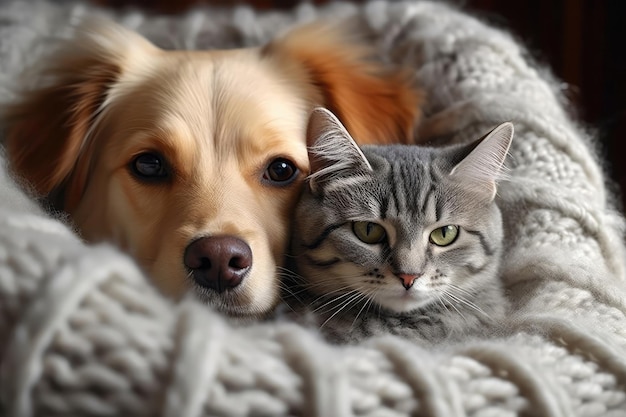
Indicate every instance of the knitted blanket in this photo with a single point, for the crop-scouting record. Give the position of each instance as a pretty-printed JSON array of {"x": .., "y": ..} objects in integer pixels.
[{"x": 83, "y": 333}]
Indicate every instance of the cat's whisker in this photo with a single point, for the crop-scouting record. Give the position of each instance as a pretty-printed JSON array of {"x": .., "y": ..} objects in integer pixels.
[
  {"x": 368, "y": 301},
  {"x": 463, "y": 301},
  {"x": 282, "y": 268},
  {"x": 452, "y": 304},
  {"x": 355, "y": 297},
  {"x": 287, "y": 277},
  {"x": 378, "y": 306},
  {"x": 338, "y": 290},
  {"x": 293, "y": 291},
  {"x": 296, "y": 288},
  {"x": 289, "y": 274},
  {"x": 321, "y": 286},
  {"x": 334, "y": 300},
  {"x": 466, "y": 302},
  {"x": 462, "y": 290},
  {"x": 329, "y": 298},
  {"x": 288, "y": 284},
  {"x": 289, "y": 290},
  {"x": 288, "y": 304},
  {"x": 441, "y": 301}
]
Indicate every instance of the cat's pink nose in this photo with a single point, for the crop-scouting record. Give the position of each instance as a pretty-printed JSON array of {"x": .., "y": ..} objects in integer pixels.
[{"x": 407, "y": 279}]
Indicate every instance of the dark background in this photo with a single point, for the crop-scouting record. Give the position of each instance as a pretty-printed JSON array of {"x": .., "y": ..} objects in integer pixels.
[{"x": 582, "y": 41}]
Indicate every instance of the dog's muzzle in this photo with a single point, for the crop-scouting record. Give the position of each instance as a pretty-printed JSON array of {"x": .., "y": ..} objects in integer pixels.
[{"x": 219, "y": 263}]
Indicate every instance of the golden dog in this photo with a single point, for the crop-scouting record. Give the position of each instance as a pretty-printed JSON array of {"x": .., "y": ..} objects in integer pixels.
[{"x": 191, "y": 161}]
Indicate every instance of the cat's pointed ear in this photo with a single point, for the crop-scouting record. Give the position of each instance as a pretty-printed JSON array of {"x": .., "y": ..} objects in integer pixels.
[
  {"x": 332, "y": 151},
  {"x": 483, "y": 166}
]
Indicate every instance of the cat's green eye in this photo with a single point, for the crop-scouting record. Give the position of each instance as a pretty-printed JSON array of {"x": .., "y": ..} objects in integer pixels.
[
  {"x": 369, "y": 232},
  {"x": 445, "y": 235}
]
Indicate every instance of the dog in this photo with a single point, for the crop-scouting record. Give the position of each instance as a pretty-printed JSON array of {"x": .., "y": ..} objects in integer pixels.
[{"x": 191, "y": 161}]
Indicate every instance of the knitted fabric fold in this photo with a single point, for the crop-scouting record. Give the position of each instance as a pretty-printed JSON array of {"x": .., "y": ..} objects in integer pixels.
[{"x": 84, "y": 333}]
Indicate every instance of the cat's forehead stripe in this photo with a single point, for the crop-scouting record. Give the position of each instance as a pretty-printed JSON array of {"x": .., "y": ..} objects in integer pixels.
[
  {"x": 412, "y": 189},
  {"x": 438, "y": 202},
  {"x": 397, "y": 187},
  {"x": 384, "y": 208}
]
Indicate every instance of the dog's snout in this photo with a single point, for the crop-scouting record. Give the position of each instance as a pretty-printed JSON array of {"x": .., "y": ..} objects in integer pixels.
[{"x": 218, "y": 262}]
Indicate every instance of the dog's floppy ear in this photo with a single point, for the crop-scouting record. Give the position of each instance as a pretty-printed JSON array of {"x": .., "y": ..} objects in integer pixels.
[
  {"x": 377, "y": 104},
  {"x": 45, "y": 129}
]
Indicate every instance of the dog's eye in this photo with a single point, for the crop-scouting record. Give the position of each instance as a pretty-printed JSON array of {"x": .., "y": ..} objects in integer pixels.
[
  {"x": 149, "y": 166},
  {"x": 280, "y": 171}
]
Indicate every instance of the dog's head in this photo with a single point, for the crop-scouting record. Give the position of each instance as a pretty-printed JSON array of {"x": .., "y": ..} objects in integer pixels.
[{"x": 191, "y": 161}]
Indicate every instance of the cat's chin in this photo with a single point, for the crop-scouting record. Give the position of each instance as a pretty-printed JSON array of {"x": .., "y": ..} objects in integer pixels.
[{"x": 403, "y": 304}]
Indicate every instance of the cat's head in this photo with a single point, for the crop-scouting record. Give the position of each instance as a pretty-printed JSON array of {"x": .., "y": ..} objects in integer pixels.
[{"x": 400, "y": 226}]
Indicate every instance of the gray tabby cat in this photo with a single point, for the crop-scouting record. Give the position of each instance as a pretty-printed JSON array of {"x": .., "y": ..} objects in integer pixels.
[{"x": 400, "y": 239}]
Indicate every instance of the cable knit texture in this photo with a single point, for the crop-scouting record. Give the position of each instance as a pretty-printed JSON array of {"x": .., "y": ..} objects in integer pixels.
[{"x": 83, "y": 333}]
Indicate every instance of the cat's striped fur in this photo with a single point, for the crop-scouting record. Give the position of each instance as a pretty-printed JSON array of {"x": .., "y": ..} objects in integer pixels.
[{"x": 434, "y": 272}]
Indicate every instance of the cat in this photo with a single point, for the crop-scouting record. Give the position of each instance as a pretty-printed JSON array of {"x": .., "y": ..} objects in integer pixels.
[{"x": 399, "y": 239}]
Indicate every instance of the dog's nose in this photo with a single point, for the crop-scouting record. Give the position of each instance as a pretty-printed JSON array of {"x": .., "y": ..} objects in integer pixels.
[{"x": 218, "y": 262}]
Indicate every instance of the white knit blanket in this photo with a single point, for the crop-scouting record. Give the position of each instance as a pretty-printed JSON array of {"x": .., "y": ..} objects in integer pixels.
[{"x": 83, "y": 333}]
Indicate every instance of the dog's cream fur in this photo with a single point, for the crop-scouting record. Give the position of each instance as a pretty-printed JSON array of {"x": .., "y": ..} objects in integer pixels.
[{"x": 218, "y": 119}]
